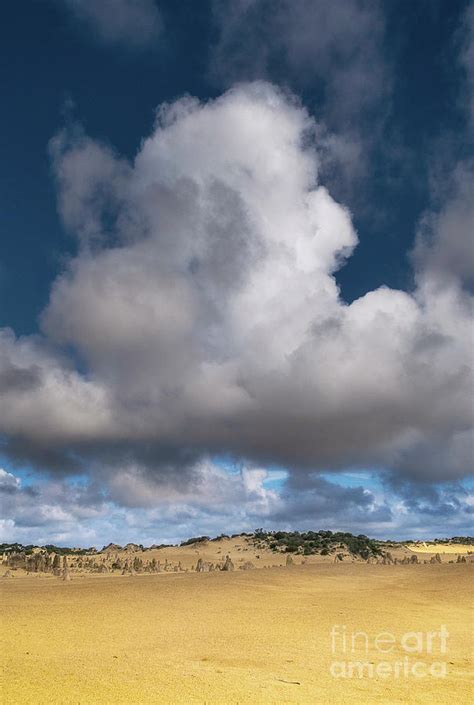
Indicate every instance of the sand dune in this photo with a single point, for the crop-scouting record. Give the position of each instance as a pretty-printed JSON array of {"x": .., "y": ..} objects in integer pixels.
[
  {"x": 260, "y": 636},
  {"x": 441, "y": 548}
]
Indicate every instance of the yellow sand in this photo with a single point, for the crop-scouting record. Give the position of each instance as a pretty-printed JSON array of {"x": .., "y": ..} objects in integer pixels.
[
  {"x": 261, "y": 636},
  {"x": 456, "y": 548}
]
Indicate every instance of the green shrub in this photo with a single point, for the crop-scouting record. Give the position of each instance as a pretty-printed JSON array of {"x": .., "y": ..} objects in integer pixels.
[{"x": 196, "y": 539}]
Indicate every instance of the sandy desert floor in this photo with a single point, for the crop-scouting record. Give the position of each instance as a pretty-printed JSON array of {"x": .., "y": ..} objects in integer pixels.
[{"x": 261, "y": 636}]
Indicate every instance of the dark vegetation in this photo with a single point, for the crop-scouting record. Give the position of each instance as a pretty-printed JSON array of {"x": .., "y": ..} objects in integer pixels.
[
  {"x": 159, "y": 545},
  {"x": 50, "y": 548},
  {"x": 322, "y": 542},
  {"x": 196, "y": 539}
]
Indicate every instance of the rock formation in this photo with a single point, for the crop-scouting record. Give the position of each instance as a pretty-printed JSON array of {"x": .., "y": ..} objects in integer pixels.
[
  {"x": 65, "y": 572},
  {"x": 228, "y": 565},
  {"x": 57, "y": 565}
]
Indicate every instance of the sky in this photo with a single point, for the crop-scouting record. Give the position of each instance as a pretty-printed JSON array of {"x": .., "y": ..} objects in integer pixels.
[{"x": 236, "y": 268}]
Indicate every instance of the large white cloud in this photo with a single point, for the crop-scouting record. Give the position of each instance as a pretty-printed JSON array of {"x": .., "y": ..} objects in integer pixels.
[{"x": 203, "y": 306}]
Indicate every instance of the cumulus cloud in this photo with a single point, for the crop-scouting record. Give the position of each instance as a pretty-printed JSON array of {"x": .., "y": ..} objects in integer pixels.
[
  {"x": 136, "y": 23},
  {"x": 133, "y": 505},
  {"x": 43, "y": 398},
  {"x": 130, "y": 502},
  {"x": 204, "y": 317},
  {"x": 8, "y": 482},
  {"x": 48, "y": 511}
]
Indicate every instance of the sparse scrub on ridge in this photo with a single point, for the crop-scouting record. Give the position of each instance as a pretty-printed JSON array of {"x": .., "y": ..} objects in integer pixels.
[
  {"x": 196, "y": 539},
  {"x": 218, "y": 538},
  {"x": 314, "y": 542},
  {"x": 49, "y": 548}
]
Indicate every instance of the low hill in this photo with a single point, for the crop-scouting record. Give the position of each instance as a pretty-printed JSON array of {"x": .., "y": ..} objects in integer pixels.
[{"x": 260, "y": 549}]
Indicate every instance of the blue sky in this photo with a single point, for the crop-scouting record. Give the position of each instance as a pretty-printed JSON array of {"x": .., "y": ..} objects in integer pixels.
[{"x": 236, "y": 268}]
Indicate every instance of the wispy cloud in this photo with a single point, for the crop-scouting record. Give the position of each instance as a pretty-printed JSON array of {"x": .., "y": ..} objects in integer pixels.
[
  {"x": 334, "y": 50},
  {"x": 135, "y": 23}
]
